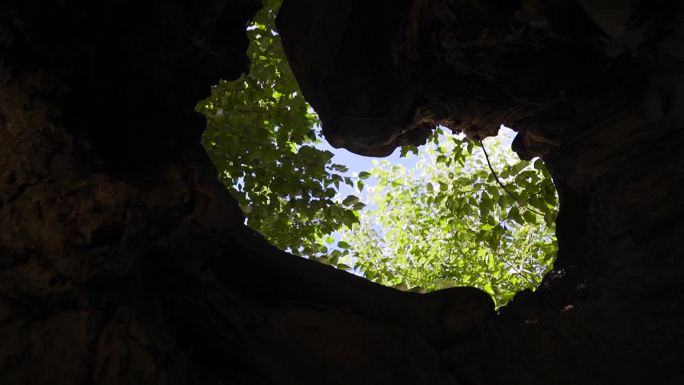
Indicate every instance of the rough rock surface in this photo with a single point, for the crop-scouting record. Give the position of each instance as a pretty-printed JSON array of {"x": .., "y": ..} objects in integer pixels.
[
  {"x": 123, "y": 259},
  {"x": 594, "y": 88}
]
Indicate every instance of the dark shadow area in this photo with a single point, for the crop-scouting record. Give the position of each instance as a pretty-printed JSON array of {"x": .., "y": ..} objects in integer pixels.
[{"x": 123, "y": 259}]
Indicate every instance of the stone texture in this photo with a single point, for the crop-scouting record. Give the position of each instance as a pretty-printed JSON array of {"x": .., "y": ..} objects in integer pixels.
[
  {"x": 592, "y": 87},
  {"x": 123, "y": 259}
]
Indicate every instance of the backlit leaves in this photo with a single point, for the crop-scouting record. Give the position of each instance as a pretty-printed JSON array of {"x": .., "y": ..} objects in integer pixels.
[
  {"x": 444, "y": 223},
  {"x": 447, "y": 222},
  {"x": 261, "y": 136}
]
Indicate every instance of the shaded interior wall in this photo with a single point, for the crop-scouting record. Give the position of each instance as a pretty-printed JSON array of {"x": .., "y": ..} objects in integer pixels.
[
  {"x": 123, "y": 260},
  {"x": 104, "y": 185},
  {"x": 595, "y": 89}
]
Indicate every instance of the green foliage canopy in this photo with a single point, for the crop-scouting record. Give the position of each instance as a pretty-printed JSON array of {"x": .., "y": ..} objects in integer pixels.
[
  {"x": 445, "y": 223},
  {"x": 261, "y": 135}
]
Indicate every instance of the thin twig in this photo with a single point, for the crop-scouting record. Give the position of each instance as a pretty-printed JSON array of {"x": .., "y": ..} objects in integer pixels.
[{"x": 503, "y": 186}]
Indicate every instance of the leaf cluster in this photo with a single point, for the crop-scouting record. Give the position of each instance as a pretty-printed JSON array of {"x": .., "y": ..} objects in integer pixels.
[
  {"x": 447, "y": 222},
  {"x": 261, "y": 135}
]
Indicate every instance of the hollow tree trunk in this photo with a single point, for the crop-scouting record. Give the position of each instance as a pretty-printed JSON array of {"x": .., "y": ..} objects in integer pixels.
[{"x": 123, "y": 260}]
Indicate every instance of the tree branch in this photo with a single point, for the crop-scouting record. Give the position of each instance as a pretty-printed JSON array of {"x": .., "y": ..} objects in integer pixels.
[{"x": 503, "y": 186}]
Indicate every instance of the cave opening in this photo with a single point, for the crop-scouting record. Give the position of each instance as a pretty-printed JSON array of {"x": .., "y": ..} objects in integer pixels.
[
  {"x": 125, "y": 260},
  {"x": 450, "y": 214}
]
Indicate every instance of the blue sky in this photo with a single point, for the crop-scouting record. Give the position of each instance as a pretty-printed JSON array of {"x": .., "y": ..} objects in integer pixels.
[{"x": 357, "y": 163}]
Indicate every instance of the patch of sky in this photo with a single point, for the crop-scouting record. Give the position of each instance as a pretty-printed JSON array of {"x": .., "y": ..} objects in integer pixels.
[{"x": 358, "y": 163}]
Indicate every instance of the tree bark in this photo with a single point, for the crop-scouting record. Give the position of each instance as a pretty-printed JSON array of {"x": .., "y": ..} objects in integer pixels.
[{"x": 124, "y": 260}]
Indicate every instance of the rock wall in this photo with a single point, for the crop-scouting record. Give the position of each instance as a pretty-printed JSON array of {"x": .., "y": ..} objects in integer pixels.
[
  {"x": 123, "y": 259},
  {"x": 595, "y": 89},
  {"x": 104, "y": 185}
]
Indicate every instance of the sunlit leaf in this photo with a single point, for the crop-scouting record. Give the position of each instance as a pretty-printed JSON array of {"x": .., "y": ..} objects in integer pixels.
[{"x": 364, "y": 175}]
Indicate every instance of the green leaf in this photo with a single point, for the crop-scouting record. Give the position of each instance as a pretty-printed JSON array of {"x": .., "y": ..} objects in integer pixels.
[
  {"x": 514, "y": 214},
  {"x": 530, "y": 217},
  {"x": 350, "y": 200},
  {"x": 339, "y": 168},
  {"x": 549, "y": 219},
  {"x": 364, "y": 175}
]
